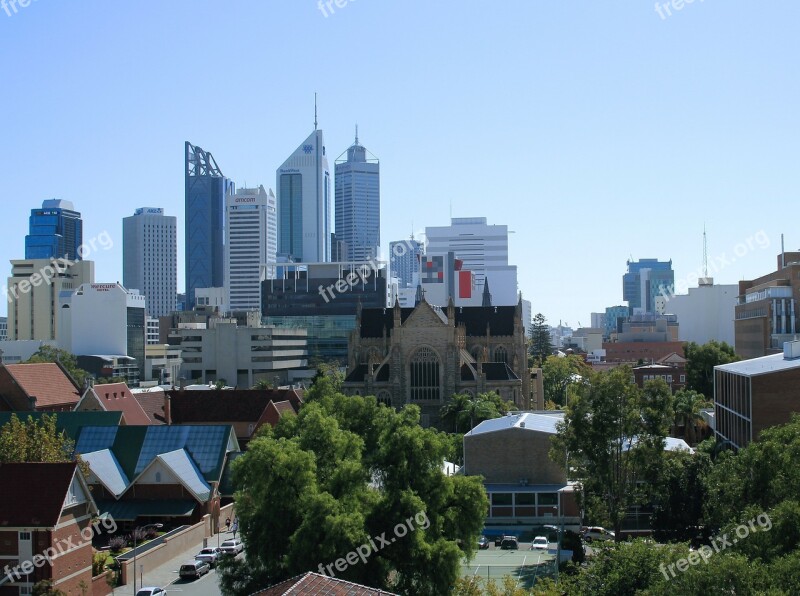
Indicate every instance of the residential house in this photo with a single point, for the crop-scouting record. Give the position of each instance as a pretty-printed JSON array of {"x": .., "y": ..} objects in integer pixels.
[
  {"x": 318, "y": 584},
  {"x": 113, "y": 397},
  {"x": 169, "y": 474},
  {"x": 46, "y": 514},
  {"x": 45, "y": 387}
]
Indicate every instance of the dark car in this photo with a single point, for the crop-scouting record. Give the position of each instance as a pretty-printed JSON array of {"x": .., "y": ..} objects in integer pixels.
[
  {"x": 509, "y": 543},
  {"x": 483, "y": 543}
]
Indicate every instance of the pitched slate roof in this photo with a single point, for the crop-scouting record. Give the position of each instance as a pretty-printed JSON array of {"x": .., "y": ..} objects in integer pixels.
[
  {"x": 70, "y": 422},
  {"x": 106, "y": 468},
  {"x": 224, "y": 405},
  {"x": 117, "y": 397},
  {"x": 47, "y": 382},
  {"x": 475, "y": 318},
  {"x": 499, "y": 371},
  {"x": 33, "y": 494},
  {"x": 315, "y": 584},
  {"x": 135, "y": 447}
]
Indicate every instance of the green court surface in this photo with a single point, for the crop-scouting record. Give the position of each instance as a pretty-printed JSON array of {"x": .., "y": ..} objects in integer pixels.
[{"x": 523, "y": 565}]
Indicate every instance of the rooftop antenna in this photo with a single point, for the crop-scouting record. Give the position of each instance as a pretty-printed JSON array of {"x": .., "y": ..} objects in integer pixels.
[
  {"x": 356, "y": 134},
  {"x": 315, "y": 111},
  {"x": 705, "y": 252},
  {"x": 783, "y": 253}
]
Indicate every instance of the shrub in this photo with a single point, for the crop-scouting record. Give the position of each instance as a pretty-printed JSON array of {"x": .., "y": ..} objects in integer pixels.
[
  {"x": 98, "y": 564},
  {"x": 117, "y": 543}
]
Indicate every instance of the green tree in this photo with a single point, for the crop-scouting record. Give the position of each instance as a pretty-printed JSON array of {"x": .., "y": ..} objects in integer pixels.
[
  {"x": 45, "y": 588},
  {"x": 34, "y": 441},
  {"x": 463, "y": 412},
  {"x": 66, "y": 359},
  {"x": 560, "y": 374},
  {"x": 345, "y": 471},
  {"x": 700, "y": 363},
  {"x": 540, "y": 345},
  {"x": 613, "y": 433},
  {"x": 679, "y": 495},
  {"x": 262, "y": 384},
  {"x": 686, "y": 407}
]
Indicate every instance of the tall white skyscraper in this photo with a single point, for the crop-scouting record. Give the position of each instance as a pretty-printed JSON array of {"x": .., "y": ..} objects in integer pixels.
[
  {"x": 304, "y": 203},
  {"x": 150, "y": 258},
  {"x": 483, "y": 248},
  {"x": 358, "y": 203},
  {"x": 251, "y": 237}
]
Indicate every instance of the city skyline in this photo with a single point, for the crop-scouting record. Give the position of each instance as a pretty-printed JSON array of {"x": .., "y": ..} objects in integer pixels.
[{"x": 670, "y": 118}]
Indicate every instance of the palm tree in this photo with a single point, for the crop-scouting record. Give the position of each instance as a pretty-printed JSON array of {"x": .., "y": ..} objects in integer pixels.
[
  {"x": 262, "y": 384},
  {"x": 687, "y": 406},
  {"x": 476, "y": 410},
  {"x": 451, "y": 411}
]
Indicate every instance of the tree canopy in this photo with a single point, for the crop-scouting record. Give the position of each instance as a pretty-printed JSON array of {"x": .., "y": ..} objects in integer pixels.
[
  {"x": 463, "y": 412},
  {"x": 541, "y": 347},
  {"x": 345, "y": 477},
  {"x": 70, "y": 363},
  {"x": 700, "y": 363},
  {"x": 560, "y": 374},
  {"x": 34, "y": 441}
]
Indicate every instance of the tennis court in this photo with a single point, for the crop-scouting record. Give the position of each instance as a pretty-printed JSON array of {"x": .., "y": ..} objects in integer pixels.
[{"x": 523, "y": 565}]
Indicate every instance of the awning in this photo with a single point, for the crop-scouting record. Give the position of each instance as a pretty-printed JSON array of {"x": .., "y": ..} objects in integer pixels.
[{"x": 130, "y": 510}]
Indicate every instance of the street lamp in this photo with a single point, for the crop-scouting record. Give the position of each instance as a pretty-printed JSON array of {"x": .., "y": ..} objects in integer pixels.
[{"x": 134, "y": 549}]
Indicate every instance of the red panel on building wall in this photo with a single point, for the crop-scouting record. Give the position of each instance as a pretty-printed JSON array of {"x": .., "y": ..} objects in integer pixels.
[{"x": 465, "y": 284}]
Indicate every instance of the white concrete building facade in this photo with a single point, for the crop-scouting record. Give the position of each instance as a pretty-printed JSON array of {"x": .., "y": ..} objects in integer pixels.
[{"x": 706, "y": 312}]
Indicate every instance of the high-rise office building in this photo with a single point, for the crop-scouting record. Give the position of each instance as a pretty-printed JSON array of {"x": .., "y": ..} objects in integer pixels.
[
  {"x": 206, "y": 189},
  {"x": 404, "y": 261},
  {"x": 645, "y": 281},
  {"x": 56, "y": 232},
  {"x": 483, "y": 249},
  {"x": 150, "y": 258},
  {"x": 250, "y": 241},
  {"x": 358, "y": 202},
  {"x": 33, "y": 291},
  {"x": 304, "y": 211}
]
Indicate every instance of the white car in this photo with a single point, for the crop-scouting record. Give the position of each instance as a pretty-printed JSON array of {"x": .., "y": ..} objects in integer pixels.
[
  {"x": 151, "y": 591},
  {"x": 232, "y": 547},
  {"x": 210, "y": 555},
  {"x": 540, "y": 543},
  {"x": 597, "y": 533}
]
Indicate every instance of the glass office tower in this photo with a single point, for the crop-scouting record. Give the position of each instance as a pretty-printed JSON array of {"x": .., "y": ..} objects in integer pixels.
[
  {"x": 358, "y": 203},
  {"x": 206, "y": 189},
  {"x": 56, "y": 231}
]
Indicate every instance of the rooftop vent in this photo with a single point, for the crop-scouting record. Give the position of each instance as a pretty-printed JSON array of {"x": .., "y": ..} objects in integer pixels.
[{"x": 791, "y": 350}]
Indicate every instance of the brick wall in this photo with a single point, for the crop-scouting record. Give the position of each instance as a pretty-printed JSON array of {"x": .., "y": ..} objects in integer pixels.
[
  {"x": 775, "y": 397},
  {"x": 505, "y": 457}
]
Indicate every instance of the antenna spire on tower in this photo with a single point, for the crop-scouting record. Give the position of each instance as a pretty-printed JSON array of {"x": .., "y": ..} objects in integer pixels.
[
  {"x": 705, "y": 252},
  {"x": 356, "y": 134},
  {"x": 315, "y": 111}
]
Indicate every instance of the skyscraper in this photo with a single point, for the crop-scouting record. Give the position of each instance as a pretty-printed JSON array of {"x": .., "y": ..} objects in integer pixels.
[
  {"x": 56, "y": 231},
  {"x": 404, "y": 260},
  {"x": 149, "y": 258},
  {"x": 645, "y": 280},
  {"x": 358, "y": 202},
  {"x": 250, "y": 241},
  {"x": 206, "y": 189},
  {"x": 304, "y": 211}
]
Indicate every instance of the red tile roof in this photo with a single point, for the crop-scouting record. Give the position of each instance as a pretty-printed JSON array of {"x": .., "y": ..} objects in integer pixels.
[
  {"x": 274, "y": 412},
  {"x": 33, "y": 494},
  {"x": 314, "y": 584},
  {"x": 116, "y": 397},
  {"x": 51, "y": 386},
  {"x": 152, "y": 403}
]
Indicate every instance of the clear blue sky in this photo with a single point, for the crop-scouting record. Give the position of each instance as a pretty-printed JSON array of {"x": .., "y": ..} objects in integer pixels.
[{"x": 596, "y": 130}]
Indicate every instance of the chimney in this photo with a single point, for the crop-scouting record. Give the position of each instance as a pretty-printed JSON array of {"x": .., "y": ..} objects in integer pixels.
[{"x": 167, "y": 409}]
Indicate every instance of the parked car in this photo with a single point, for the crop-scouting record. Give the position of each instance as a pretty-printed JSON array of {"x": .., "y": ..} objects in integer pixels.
[
  {"x": 597, "y": 533},
  {"x": 210, "y": 555},
  {"x": 498, "y": 540},
  {"x": 194, "y": 569},
  {"x": 540, "y": 543},
  {"x": 232, "y": 547},
  {"x": 483, "y": 543},
  {"x": 509, "y": 543},
  {"x": 151, "y": 591}
]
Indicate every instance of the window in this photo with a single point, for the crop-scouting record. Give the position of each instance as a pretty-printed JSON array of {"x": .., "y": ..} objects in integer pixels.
[
  {"x": 548, "y": 499},
  {"x": 501, "y": 499},
  {"x": 683, "y": 378},
  {"x": 501, "y": 355},
  {"x": 425, "y": 375}
]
